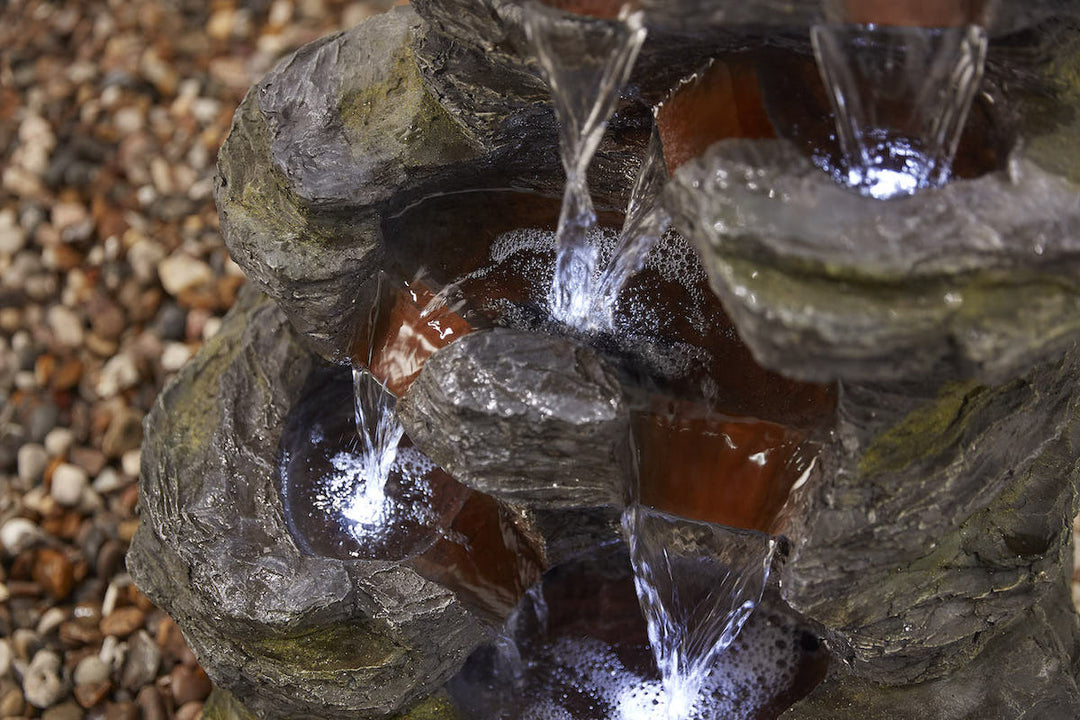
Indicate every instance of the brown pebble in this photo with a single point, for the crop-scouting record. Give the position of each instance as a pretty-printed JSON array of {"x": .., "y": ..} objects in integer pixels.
[
  {"x": 172, "y": 642},
  {"x": 123, "y": 621},
  {"x": 68, "y": 374},
  {"x": 151, "y": 703},
  {"x": 12, "y": 704},
  {"x": 54, "y": 573},
  {"x": 110, "y": 559},
  {"x": 23, "y": 588},
  {"x": 121, "y": 711},
  {"x": 190, "y": 683},
  {"x": 190, "y": 711},
  {"x": 123, "y": 433},
  {"x": 91, "y": 460},
  {"x": 66, "y": 711},
  {"x": 81, "y": 631},
  {"x": 90, "y": 695}
]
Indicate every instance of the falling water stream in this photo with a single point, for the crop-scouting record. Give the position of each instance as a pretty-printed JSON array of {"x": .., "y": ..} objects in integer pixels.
[
  {"x": 901, "y": 96},
  {"x": 586, "y": 66}
]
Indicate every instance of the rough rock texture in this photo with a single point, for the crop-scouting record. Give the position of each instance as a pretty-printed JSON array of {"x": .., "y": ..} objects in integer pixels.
[
  {"x": 529, "y": 418},
  {"x": 978, "y": 279},
  {"x": 290, "y": 635},
  {"x": 316, "y": 151},
  {"x": 1026, "y": 673},
  {"x": 936, "y": 522}
]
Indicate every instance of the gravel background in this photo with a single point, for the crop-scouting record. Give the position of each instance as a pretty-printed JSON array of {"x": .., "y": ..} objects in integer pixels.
[{"x": 112, "y": 275}]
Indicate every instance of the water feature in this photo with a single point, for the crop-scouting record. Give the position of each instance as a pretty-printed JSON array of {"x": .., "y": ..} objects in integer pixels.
[
  {"x": 586, "y": 67},
  {"x": 900, "y": 96},
  {"x": 697, "y": 583}
]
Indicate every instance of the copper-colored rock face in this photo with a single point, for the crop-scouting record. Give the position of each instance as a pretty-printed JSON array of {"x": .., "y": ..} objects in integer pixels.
[
  {"x": 606, "y": 9},
  {"x": 709, "y": 467},
  {"x": 411, "y": 324},
  {"x": 771, "y": 93},
  {"x": 723, "y": 101},
  {"x": 916, "y": 13}
]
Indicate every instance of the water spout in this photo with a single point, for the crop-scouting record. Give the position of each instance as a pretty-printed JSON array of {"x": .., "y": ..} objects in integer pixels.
[
  {"x": 901, "y": 97},
  {"x": 697, "y": 584},
  {"x": 586, "y": 67}
]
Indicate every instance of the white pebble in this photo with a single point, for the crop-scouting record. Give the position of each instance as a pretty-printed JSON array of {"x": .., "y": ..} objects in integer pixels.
[
  {"x": 68, "y": 484},
  {"x": 174, "y": 356},
  {"x": 131, "y": 463},
  {"x": 118, "y": 374},
  {"x": 19, "y": 534},
  {"x": 12, "y": 237},
  {"x": 5, "y": 657},
  {"x": 59, "y": 441},
  {"x": 41, "y": 685},
  {"x": 91, "y": 670},
  {"x": 180, "y": 272},
  {"x": 51, "y": 620},
  {"x": 32, "y": 460},
  {"x": 107, "y": 481},
  {"x": 66, "y": 326}
]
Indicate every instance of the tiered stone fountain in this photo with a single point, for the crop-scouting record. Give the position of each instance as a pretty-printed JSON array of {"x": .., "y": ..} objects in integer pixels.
[{"x": 883, "y": 387}]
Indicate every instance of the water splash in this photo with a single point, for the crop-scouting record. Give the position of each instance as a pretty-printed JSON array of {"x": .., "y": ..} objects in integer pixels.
[
  {"x": 697, "y": 584},
  {"x": 901, "y": 96},
  {"x": 646, "y": 222},
  {"x": 378, "y": 435},
  {"x": 586, "y": 64}
]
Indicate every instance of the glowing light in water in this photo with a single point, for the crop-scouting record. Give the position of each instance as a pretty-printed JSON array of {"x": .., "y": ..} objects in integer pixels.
[
  {"x": 901, "y": 96},
  {"x": 586, "y": 64},
  {"x": 697, "y": 584}
]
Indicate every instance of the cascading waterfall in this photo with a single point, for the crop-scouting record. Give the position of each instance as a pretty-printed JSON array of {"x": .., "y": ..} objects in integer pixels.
[
  {"x": 901, "y": 96},
  {"x": 586, "y": 68},
  {"x": 697, "y": 583}
]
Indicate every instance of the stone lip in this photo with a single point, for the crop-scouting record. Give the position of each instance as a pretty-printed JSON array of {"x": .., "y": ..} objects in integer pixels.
[
  {"x": 979, "y": 279},
  {"x": 290, "y": 635},
  {"x": 530, "y": 418}
]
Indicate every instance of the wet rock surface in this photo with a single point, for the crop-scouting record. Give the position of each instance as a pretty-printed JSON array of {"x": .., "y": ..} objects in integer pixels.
[
  {"x": 979, "y": 279},
  {"x": 526, "y": 417},
  {"x": 288, "y": 633},
  {"x": 937, "y": 521},
  {"x": 1027, "y": 672}
]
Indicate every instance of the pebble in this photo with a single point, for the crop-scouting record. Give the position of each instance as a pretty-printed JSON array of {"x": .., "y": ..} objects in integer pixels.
[
  {"x": 12, "y": 237},
  {"x": 32, "y": 459},
  {"x": 143, "y": 660},
  {"x": 175, "y": 356},
  {"x": 42, "y": 685},
  {"x": 18, "y": 535},
  {"x": 118, "y": 374},
  {"x": 54, "y": 572},
  {"x": 180, "y": 273},
  {"x": 108, "y": 481},
  {"x": 91, "y": 670},
  {"x": 6, "y": 657},
  {"x": 131, "y": 463},
  {"x": 69, "y": 482},
  {"x": 189, "y": 711},
  {"x": 121, "y": 711},
  {"x": 110, "y": 559},
  {"x": 59, "y": 441},
  {"x": 12, "y": 704},
  {"x": 151, "y": 703},
  {"x": 52, "y": 619},
  {"x": 123, "y": 621},
  {"x": 123, "y": 434},
  {"x": 65, "y": 325},
  {"x": 66, "y": 711},
  {"x": 189, "y": 684}
]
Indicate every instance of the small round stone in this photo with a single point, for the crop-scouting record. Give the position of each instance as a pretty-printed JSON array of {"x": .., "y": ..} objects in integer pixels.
[
  {"x": 59, "y": 441},
  {"x": 19, "y": 534},
  {"x": 91, "y": 670},
  {"x": 42, "y": 685},
  {"x": 32, "y": 459},
  {"x": 6, "y": 656},
  {"x": 68, "y": 484}
]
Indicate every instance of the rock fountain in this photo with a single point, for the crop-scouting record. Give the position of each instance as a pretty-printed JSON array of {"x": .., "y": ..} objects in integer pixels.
[{"x": 486, "y": 438}]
